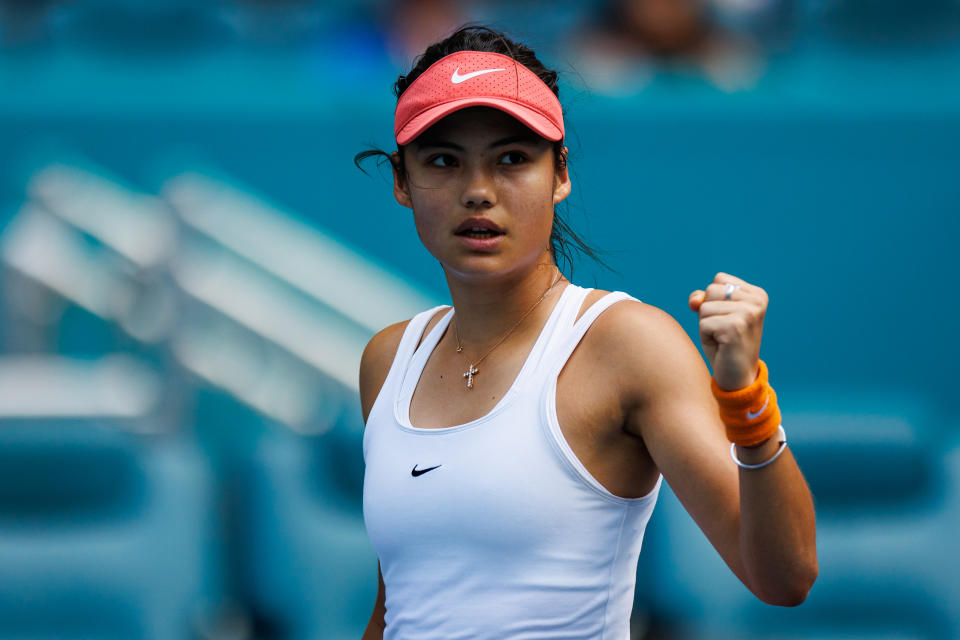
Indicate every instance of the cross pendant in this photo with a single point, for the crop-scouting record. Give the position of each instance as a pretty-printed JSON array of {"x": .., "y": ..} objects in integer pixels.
[{"x": 469, "y": 376}]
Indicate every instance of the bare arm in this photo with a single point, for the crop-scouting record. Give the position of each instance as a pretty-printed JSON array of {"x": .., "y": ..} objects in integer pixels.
[
  {"x": 761, "y": 522},
  {"x": 779, "y": 551},
  {"x": 374, "y": 367},
  {"x": 374, "y": 630}
]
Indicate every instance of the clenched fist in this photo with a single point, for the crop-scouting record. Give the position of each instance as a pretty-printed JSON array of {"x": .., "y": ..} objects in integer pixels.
[{"x": 730, "y": 328}]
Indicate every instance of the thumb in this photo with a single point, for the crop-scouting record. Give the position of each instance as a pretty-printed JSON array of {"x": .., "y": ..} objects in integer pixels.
[{"x": 696, "y": 299}]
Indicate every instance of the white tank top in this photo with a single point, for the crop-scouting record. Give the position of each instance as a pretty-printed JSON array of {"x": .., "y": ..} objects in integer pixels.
[{"x": 494, "y": 529}]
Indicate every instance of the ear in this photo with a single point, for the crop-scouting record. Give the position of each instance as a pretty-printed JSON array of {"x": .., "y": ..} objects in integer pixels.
[
  {"x": 401, "y": 189},
  {"x": 561, "y": 183}
]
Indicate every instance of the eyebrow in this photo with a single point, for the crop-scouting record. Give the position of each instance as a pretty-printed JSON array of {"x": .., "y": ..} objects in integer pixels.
[
  {"x": 527, "y": 138},
  {"x": 445, "y": 144}
]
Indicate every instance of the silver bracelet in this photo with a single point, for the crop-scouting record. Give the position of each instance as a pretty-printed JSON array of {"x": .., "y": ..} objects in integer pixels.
[{"x": 743, "y": 465}]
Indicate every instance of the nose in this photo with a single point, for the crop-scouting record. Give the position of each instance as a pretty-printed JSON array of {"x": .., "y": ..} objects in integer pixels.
[{"x": 479, "y": 191}]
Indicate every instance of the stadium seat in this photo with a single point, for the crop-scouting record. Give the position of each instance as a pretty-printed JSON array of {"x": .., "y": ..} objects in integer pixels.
[
  {"x": 103, "y": 533},
  {"x": 310, "y": 569},
  {"x": 887, "y": 494}
]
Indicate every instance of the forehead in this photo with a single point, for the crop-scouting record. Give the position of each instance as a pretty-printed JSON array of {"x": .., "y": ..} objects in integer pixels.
[{"x": 477, "y": 124}]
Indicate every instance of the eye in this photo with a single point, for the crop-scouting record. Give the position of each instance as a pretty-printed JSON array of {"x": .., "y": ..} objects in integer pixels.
[
  {"x": 513, "y": 157},
  {"x": 442, "y": 160}
]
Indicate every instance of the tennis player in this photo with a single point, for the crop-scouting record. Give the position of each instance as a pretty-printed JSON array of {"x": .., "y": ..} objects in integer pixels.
[{"x": 516, "y": 441}]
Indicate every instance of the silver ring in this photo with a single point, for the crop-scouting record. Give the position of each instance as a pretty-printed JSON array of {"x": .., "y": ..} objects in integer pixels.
[{"x": 729, "y": 290}]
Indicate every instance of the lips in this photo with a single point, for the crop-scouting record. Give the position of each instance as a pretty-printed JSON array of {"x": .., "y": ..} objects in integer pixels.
[{"x": 477, "y": 225}]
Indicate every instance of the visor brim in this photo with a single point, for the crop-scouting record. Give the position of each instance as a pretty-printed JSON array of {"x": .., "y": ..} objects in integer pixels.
[{"x": 539, "y": 123}]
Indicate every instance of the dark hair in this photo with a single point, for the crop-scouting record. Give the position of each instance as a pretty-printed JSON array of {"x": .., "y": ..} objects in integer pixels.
[{"x": 481, "y": 38}]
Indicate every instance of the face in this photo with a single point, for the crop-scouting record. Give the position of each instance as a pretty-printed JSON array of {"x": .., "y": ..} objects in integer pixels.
[{"x": 482, "y": 163}]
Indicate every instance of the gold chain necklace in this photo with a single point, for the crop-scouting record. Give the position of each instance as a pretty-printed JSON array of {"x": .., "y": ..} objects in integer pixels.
[{"x": 472, "y": 369}]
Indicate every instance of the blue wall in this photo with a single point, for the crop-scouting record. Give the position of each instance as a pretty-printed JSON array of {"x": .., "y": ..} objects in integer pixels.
[{"x": 848, "y": 222}]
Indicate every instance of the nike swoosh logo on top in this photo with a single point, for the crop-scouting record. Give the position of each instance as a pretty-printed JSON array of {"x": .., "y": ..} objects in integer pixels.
[
  {"x": 419, "y": 472},
  {"x": 751, "y": 415},
  {"x": 456, "y": 78}
]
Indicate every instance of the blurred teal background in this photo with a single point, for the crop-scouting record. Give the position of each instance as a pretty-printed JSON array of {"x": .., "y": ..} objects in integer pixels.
[{"x": 191, "y": 265}]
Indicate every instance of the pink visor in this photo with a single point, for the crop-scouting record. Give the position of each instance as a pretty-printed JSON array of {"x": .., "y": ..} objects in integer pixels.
[{"x": 477, "y": 79}]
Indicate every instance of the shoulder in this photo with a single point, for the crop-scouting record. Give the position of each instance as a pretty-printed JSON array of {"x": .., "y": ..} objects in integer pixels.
[
  {"x": 382, "y": 347},
  {"x": 377, "y": 358},
  {"x": 649, "y": 351},
  {"x": 376, "y": 361},
  {"x": 632, "y": 322}
]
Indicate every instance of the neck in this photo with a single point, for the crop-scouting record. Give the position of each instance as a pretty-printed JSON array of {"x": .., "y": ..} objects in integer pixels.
[{"x": 486, "y": 310}]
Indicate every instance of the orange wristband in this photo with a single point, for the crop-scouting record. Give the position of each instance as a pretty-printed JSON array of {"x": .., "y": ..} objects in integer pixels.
[{"x": 750, "y": 414}]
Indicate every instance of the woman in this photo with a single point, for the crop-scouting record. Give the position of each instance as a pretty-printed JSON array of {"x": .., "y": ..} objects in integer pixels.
[{"x": 515, "y": 444}]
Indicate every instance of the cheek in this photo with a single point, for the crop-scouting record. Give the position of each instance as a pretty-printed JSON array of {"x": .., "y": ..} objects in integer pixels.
[
  {"x": 427, "y": 218},
  {"x": 533, "y": 202},
  {"x": 423, "y": 222}
]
